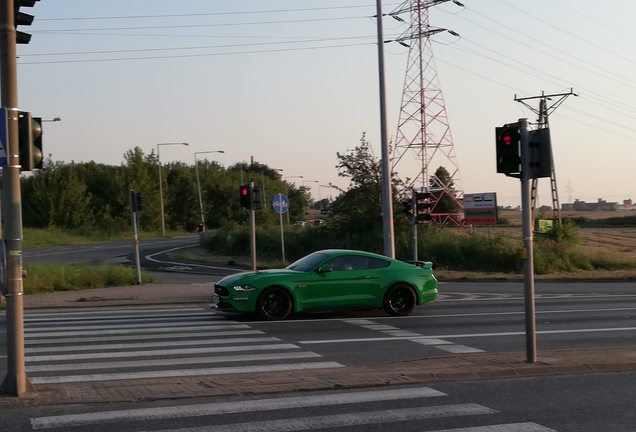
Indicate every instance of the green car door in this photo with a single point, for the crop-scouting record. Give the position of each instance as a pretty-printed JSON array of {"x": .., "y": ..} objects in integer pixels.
[{"x": 343, "y": 281}]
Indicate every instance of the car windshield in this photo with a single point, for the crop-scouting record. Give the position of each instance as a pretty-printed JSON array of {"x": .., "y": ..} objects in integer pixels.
[{"x": 308, "y": 263}]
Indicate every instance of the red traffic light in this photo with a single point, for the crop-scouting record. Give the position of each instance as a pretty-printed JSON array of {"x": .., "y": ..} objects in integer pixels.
[
  {"x": 507, "y": 138},
  {"x": 244, "y": 190}
]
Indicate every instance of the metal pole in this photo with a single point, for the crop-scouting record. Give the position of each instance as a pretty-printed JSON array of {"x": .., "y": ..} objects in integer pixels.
[
  {"x": 527, "y": 251},
  {"x": 252, "y": 228},
  {"x": 16, "y": 382},
  {"x": 163, "y": 224},
  {"x": 387, "y": 199},
  {"x": 287, "y": 195},
  {"x": 414, "y": 223},
  {"x": 196, "y": 165},
  {"x": 133, "y": 215},
  {"x": 280, "y": 214}
]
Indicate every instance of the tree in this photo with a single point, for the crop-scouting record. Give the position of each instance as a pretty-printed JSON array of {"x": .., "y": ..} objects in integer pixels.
[{"x": 442, "y": 188}]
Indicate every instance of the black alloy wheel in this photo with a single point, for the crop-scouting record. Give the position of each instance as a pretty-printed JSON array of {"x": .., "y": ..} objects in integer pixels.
[
  {"x": 399, "y": 300},
  {"x": 274, "y": 304}
]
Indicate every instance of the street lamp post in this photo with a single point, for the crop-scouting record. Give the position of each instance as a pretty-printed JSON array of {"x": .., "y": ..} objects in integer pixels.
[
  {"x": 263, "y": 198},
  {"x": 304, "y": 202},
  {"x": 320, "y": 194},
  {"x": 196, "y": 166},
  {"x": 163, "y": 223},
  {"x": 287, "y": 194}
]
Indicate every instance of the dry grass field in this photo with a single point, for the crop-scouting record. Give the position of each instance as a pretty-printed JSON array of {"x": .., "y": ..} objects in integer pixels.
[{"x": 616, "y": 244}]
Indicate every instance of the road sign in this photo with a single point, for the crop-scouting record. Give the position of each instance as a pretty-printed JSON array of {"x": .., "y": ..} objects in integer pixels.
[
  {"x": 280, "y": 203},
  {"x": 4, "y": 138},
  {"x": 323, "y": 212}
]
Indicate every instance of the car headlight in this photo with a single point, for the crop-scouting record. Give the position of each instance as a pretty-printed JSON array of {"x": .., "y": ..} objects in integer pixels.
[{"x": 244, "y": 288}]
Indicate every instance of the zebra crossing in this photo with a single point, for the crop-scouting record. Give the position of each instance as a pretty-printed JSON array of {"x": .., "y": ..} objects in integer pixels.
[
  {"x": 422, "y": 407},
  {"x": 65, "y": 345}
]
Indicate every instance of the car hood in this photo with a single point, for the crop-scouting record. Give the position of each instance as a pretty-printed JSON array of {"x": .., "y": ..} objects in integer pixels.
[{"x": 253, "y": 276}]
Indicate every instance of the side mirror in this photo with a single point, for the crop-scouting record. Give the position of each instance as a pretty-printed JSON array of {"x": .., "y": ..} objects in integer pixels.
[{"x": 325, "y": 269}]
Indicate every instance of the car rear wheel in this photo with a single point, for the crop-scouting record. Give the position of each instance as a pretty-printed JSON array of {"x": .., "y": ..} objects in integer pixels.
[
  {"x": 399, "y": 300},
  {"x": 274, "y": 304}
]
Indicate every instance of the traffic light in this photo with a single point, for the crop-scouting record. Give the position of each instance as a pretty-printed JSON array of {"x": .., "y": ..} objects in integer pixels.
[
  {"x": 407, "y": 208},
  {"x": 257, "y": 201},
  {"x": 29, "y": 141},
  {"x": 422, "y": 206},
  {"x": 540, "y": 153},
  {"x": 139, "y": 202},
  {"x": 508, "y": 150},
  {"x": 22, "y": 19},
  {"x": 245, "y": 197}
]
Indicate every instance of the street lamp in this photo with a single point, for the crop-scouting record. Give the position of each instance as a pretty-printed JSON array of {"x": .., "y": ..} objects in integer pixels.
[
  {"x": 56, "y": 119},
  {"x": 196, "y": 166},
  {"x": 263, "y": 198},
  {"x": 320, "y": 195},
  {"x": 163, "y": 224},
  {"x": 304, "y": 202},
  {"x": 287, "y": 193}
]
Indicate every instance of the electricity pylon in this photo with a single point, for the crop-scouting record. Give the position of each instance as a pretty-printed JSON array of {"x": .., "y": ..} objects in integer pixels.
[
  {"x": 423, "y": 130},
  {"x": 542, "y": 122}
]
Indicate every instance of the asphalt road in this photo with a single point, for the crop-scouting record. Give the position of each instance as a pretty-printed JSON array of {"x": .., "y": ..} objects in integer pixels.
[{"x": 577, "y": 403}]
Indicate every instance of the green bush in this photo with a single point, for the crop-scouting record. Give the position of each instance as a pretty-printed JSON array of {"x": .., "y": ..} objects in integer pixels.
[{"x": 448, "y": 248}]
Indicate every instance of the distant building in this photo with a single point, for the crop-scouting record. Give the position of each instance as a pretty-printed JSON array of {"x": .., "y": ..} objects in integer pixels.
[{"x": 600, "y": 205}]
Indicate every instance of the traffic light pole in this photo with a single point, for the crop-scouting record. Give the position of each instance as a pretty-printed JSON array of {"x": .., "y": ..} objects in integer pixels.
[
  {"x": 414, "y": 222},
  {"x": 16, "y": 382},
  {"x": 527, "y": 253},
  {"x": 133, "y": 218},
  {"x": 252, "y": 227}
]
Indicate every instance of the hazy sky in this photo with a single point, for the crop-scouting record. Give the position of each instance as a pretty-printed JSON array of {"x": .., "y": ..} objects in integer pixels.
[{"x": 292, "y": 82}]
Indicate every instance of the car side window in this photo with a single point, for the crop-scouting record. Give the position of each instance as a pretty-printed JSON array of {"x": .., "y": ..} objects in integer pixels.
[
  {"x": 375, "y": 263},
  {"x": 347, "y": 263}
]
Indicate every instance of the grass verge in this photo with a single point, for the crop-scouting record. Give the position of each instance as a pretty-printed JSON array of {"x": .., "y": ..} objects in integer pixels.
[
  {"x": 35, "y": 238},
  {"x": 76, "y": 277}
]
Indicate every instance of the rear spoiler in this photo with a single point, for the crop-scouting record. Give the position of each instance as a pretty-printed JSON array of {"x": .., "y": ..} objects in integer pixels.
[{"x": 423, "y": 264}]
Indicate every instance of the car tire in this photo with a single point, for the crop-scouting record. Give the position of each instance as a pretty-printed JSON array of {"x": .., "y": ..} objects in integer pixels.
[
  {"x": 399, "y": 300},
  {"x": 274, "y": 304}
]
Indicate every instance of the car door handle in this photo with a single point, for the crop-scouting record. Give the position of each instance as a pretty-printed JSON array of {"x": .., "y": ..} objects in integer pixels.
[{"x": 363, "y": 277}]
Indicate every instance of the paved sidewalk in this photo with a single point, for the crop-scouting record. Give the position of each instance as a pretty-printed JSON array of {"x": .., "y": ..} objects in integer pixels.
[{"x": 420, "y": 371}]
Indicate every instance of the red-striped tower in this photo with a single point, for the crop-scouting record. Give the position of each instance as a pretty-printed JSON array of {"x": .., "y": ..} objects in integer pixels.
[{"x": 423, "y": 142}]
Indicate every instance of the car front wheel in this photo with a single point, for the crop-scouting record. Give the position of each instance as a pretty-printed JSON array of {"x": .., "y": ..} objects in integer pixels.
[
  {"x": 399, "y": 300},
  {"x": 274, "y": 304}
]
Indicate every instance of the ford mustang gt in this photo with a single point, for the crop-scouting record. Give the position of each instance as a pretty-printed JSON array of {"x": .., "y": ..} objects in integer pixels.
[{"x": 329, "y": 280}]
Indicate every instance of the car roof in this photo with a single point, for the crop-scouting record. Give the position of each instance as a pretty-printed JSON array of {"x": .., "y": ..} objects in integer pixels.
[{"x": 336, "y": 252}]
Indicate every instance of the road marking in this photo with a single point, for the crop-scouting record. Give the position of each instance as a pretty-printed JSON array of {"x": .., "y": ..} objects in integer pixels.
[
  {"x": 379, "y": 327},
  {"x": 459, "y": 349},
  {"x": 150, "y": 258},
  {"x": 510, "y": 427},
  {"x": 172, "y": 361},
  {"x": 111, "y": 311},
  {"x": 127, "y": 330},
  {"x": 180, "y": 336},
  {"x": 455, "y": 336},
  {"x": 150, "y": 345},
  {"x": 347, "y": 420},
  {"x": 203, "y": 324},
  {"x": 351, "y": 321},
  {"x": 162, "y": 353},
  {"x": 430, "y": 341},
  {"x": 183, "y": 372},
  {"x": 86, "y": 317},
  {"x": 217, "y": 408}
]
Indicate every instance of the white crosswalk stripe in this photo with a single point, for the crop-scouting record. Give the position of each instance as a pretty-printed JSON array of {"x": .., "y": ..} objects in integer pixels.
[
  {"x": 101, "y": 344},
  {"x": 419, "y": 405}
]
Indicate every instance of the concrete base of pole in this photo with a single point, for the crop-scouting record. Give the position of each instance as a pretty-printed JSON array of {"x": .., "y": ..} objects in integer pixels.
[{"x": 12, "y": 386}]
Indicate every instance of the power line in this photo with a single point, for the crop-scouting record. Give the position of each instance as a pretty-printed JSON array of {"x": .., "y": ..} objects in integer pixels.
[
  {"x": 196, "y": 55},
  {"x": 189, "y": 15}
]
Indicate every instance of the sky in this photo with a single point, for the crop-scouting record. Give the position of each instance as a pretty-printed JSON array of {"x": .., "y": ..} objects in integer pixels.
[{"x": 293, "y": 82}]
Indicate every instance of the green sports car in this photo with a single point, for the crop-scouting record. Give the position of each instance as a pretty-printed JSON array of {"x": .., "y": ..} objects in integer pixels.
[{"x": 328, "y": 280}]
